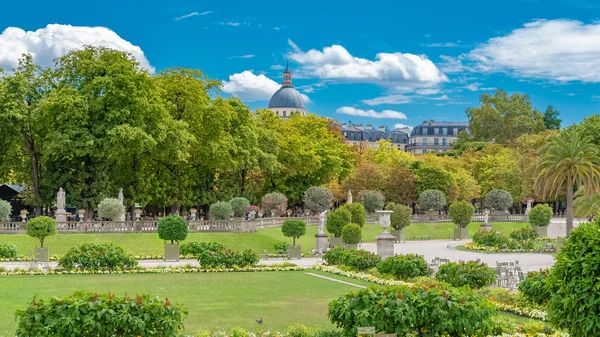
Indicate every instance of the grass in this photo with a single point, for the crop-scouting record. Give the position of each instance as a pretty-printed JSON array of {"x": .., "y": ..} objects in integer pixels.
[
  {"x": 217, "y": 300},
  {"x": 149, "y": 243}
]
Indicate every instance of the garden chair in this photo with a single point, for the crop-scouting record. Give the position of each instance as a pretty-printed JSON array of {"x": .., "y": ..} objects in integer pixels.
[{"x": 366, "y": 331}]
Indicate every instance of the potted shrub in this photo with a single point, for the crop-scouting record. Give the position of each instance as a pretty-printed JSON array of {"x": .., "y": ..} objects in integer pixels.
[
  {"x": 358, "y": 212},
  {"x": 539, "y": 218},
  {"x": 220, "y": 210},
  {"x": 498, "y": 200},
  {"x": 317, "y": 199},
  {"x": 400, "y": 219},
  {"x": 294, "y": 229},
  {"x": 432, "y": 201},
  {"x": 40, "y": 228},
  {"x": 274, "y": 203},
  {"x": 335, "y": 223},
  {"x": 5, "y": 210},
  {"x": 175, "y": 229},
  {"x": 351, "y": 235},
  {"x": 461, "y": 213},
  {"x": 111, "y": 209},
  {"x": 372, "y": 200},
  {"x": 239, "y": 206}
]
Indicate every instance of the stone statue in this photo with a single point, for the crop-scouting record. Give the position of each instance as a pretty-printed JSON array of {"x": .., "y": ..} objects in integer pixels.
[
  {"x": 349, "y": 201},
  {"x": 529, "y": 202},
  {"x": 60, "y": 200},
  {"x": 121, "y": 196},
  {"x": 322, "y": 218},
  {"x": 486, "y": 216}
]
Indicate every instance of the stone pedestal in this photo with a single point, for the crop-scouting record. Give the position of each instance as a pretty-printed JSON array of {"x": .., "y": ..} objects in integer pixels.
[
  {"x": 60, "y": 216},
  {"x": 171, "y": 252},
  {"x": 385, "y": 245},
  {"x": 321, "y": 243},
  {"x": 485, "y": 228},
  {"x": 42, "y": 255}
]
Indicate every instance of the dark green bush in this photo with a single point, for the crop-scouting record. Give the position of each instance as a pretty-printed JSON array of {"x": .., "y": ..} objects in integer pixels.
[
  {"x": 490, "y": 239},
  {"x": 351, "y": 234},
  {"x": 461, "y": 213},
  {"x": 404, "y": 267},
  {"x": 283, "y": 246},
  {"x": 336, "y": 221},
  {"x": 372, "y": 200},
  {"x": 540, "y": 215},
  {"x": 535, "y": 288},
  {"x": 401, "y": 216},
  {"x": 523, "y": 234},
  {"x": 357, "y": 212},
  {"x": 196, "y": 248},
  {"x": 356, "y": 259},
  {"x": 41, "y": 227},
  {"x": 172, "y": 228},
  {"x": 293, "y": 229},
  {"x": 228, "y": 259},
  {"x": 420, "y": 310},
  {"x": 8, "y": 251},
  {"x": 104, "y": 315},
  {"x": 97, "y": 256},
  {"x": 472, "y": 273}
]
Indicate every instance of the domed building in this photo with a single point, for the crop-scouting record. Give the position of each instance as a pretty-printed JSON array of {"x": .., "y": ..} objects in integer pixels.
[{"x": 287, "y": 100}]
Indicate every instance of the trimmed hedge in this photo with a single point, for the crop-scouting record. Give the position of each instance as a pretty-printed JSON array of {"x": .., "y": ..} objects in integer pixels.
[
  {"x": 220, "y": 210},
  {"x": 336, "y": 221},
  {"x": 461, "y": 213},
  {"x": 228, "y": 259},
  {"x": 196, "y": 248},
  {"x": 355, "y": 259},
  {"x": 357, "y": 212},
  {"x": 540, "y": 215},
  {"x": 472, "y": 273},
  {"x": 172, "y": 228},
  {"x": 351, "y": 234},
  {"x": 8, "y": 251},
  {"x": 293, "y": 229},
  {"x": 97, "y": 256},
  {"x": 404, "y": 267}
]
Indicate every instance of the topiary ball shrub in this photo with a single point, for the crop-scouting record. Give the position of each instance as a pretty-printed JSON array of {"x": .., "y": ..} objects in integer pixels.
[
  {"x": 220, "y": 210},
  {"x": 573, "y": 283},
  {"x": 228, "y": 259},
  {"x": 357, "y": 212},
  {"x": 317, "y": 199},
  {"x": 417, "y": 310},
  {"x": 472, "y": 273},
  {"x": 535, "y": 287},
  {"x": 274, "y": 203},
  {"x": 100, "y": 315},
  {"x": 400, "y": 219},
  {"x": 196, "y": 248},
  {"x": 357, "y": 259},
  {"x": 372, "y": 200},
  {"x": 8, "y": 251},
  {"x": 498, "y": 199},
  {"x": 172, "y": 228},
  {"x": 97, "y": 256},
  {"x": 432, "y": 200},
  {"x": 540, "y": 215},
  {"x": 239, "y": 205},
  {"x": 111, "y": 209},
  {"x": 351, "y": 234},
  {"x": 336, "y": 221},
  {"x": 404, "y": 267},
  {"x": 461, "y": 213},
  {"x": 41, "y": 227},
  {"x": 5, "y": 210},
  {"x": 293, "y": 229}
]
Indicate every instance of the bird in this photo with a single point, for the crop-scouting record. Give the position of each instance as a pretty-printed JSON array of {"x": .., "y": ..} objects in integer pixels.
[{"x": 260, "y": 321}]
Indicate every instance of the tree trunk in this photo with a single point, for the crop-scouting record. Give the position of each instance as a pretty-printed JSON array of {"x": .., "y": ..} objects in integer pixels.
[
  {"x": 89, "y": 212},
  {"x": 35, "y": 176},
  {"x": 132, "y": 213},
  {"x": 569, "y": 206}
]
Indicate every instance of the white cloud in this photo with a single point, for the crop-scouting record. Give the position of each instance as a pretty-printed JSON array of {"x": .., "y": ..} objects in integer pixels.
[
  {"x": 189, "y": 15},
  {"x": 561, "y": 50},
  {"x": 389, "y": 99},
  {"x": 55, "y": 40},
  {"x": 251, "y": 87},
  {"x": 277, "y": 67},
  {"x": 428, "y": 91},
  {"x": 443, "y": 44},
  {"x": 348, "y": 110},
  {"x": 473, "y": 86},
  {"x": 276, "y": 28},
  {"x": 249, "y": 56}
]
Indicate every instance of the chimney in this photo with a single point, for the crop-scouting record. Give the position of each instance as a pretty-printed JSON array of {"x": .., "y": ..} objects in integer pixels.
[
  {"x": 382, "y": 128},
  {"x": 425, "y": 122}
]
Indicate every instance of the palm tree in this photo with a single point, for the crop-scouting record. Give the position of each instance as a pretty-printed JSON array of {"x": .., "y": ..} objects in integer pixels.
[
  {"x": 584, "y": 207},
  {"x": 567, "y": 161}
]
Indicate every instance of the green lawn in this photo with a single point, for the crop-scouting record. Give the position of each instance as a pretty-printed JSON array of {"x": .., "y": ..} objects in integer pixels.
[
  {"x": 149, "y": 243},
  {"x": 217, "y": 300}
]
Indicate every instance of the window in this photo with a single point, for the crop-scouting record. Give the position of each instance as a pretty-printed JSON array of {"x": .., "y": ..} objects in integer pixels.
[
  {"x": 444, "y": 142},
  {"x": 345, "y": 134},
  {"x": 425, "y": 131},
  {"x": 455, "y": 131},
  {"x": 444, "y": 131},
  {"x": 436, "y": 142},
  {"x": 436, "y": 131},
  {"x": 424, "y": 141}
]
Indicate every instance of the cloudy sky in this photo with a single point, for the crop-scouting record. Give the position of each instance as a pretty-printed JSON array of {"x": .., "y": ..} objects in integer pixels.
[{"x": 380, "y": 62}]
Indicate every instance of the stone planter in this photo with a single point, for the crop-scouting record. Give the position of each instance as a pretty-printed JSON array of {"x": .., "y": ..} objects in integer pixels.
[
  {"x": 461, "y": 233},
  {"x": 542, "y": 231},
  {"x": 335, "y": 241},
  {"x": 171, "y": 252},
  {"x": 399, "y": 234},
  {"x": 42, "y": 254},
  {"x": 294, "y": 252},
  {"x": 485, "y": 228},
  {"x": 351, "y": 246}
]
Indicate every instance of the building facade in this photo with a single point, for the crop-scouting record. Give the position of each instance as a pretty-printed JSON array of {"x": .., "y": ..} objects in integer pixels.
[
  {"x": 287, "y": 100},
  {"x": 358, "y": 133},
  {"x": 434, "y": 136}
]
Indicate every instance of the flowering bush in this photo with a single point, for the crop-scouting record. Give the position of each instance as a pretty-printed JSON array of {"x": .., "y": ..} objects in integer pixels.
[
  {"x": 196, "y": 248},
  {"x": 472, "y": 273},
  {"x": 5, "y": 210},
  {"x": 228, "y": 259},
  {"x": 239, "y": 205},
  {"x": 540, "y": 215},
  {"x": 101, "y": 315},
  {"x": 355, "y": 259},
  {"x": 498, "y": 199},
  {"x": 372, "y": 200},
  {"x": 523, "y": 234},
  {"x": 535, "y": 287},
  {"x": 491, "y": 239},
  {"x": 432, "y": 200},
  {"x": 96, "y": 256},
  {"x": 253, "y": 208},
  {"x": 220, "y": 210},
  {"x": 317, "y": 199},
  {"x": 8, "y": 251},
  {"x": 111, "y": 209},
  {"x": 404, "y": 267},
  {"x": 274, "y": 202}
]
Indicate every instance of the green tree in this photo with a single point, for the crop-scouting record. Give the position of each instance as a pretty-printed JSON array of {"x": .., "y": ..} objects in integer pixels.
[
  {"x": 461, "y": 213},
  {"x": 336, "y": 221},
  {"x": 551, "y": 120},
  {"x": 568, "y": 161},
  {"x": 401, "y": 216},
  {"x": 351, "y": 234},
  {"x": 41, "y": 227},
  {"x": 172, "y": 228},
  {"x": 293, "y": 229}
]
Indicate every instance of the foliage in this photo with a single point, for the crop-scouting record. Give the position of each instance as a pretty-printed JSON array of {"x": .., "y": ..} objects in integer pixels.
[
  {"x": 221, "y": 210},
  {"x": 573, "y": 283},
  {"x": 293, "y": 229},
  {"x": 101, "y": 315},
  {"x": 401, "y": 216},
  {"x": 358, "y": 213},
  {"x": 317, "y": 199},
  {"x": 540, "y": 215},
  {"x": 351, "y": 234},
  {"x": 281, "y": 246},
  {"x": 228, "y": 259},
  {"x": 432, "y": 200},
  {"x": 461, "y": 213},
  {"x": 493, "y": 239},
  {"x": 404, "y": 267},
  {"x": 196, "y": 248},
  {"x": 111, "y": 208},
  {"x": 472, "y": 273},
  {"x": 523, "y": 235},
  {"x": 408, "y": 310},
  {"x": 535, "y": 288},
  {"x": 372, "y": 200},
  {"x": 8, "y": 251},
  {"x": 298, "y": 330},
  {"x": 357, "y": 259},
  {"x": 584, "y": 206},
  {"x": 551, "y": 120},
  {"x": 94, "y": 256},
  {"x": 336, "y": 221},
  {"x": 5, "y": 210},
  {"x": 41, "y": 227},
  {"x": 274, "y": 202},
  {"x": 239, "y": 205},
  {"x": 172, "y": 228},
  {"x": 498, "y": 199}
]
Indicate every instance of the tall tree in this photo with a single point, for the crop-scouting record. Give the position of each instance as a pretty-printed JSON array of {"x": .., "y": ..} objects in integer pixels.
[
  {"x": 551, "y": 120},
  {"x": 569, "y": 161}
]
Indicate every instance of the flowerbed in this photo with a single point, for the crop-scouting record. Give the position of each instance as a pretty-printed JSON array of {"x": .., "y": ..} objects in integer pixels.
[
  {"x": 56, "y": 257},
  {"x": 539, "y": 248}
]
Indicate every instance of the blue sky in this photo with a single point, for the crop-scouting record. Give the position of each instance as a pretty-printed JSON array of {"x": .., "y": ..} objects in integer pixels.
[{"x": 379, "y": 62}]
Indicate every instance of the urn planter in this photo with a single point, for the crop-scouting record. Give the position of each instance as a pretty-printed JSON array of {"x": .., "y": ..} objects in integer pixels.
[
  {"x": 42, "y": 254},
  {"x": 294, "y": 252},
  {"x": 336, "y": 241},
  {"x": 171, "y": 252},
  {"x": 351, "y": 246},
  {"x": 461, "y": 233},
  {"x": 541, "y": 231},
  {"x": 399, "y": 234}
]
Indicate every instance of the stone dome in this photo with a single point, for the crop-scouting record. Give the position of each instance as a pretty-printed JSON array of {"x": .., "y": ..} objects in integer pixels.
[{"x": 287, "y": 97}]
